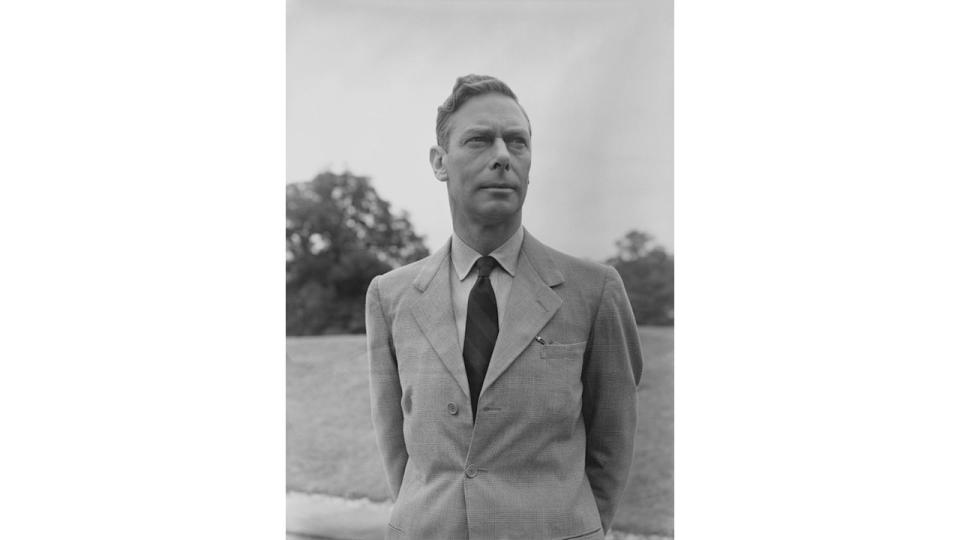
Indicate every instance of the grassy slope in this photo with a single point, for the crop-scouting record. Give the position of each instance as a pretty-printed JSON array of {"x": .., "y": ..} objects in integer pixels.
[{"x": 331, "y": 449}]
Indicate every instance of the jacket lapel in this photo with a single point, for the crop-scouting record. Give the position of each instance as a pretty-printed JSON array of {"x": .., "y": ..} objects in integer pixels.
[
  {"x": 433, "y": 312},
  {"x": 532, "y": 303}
]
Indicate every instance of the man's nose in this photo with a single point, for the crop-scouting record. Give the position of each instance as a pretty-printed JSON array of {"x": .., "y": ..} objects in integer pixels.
[{"x": 501, "y": 155}]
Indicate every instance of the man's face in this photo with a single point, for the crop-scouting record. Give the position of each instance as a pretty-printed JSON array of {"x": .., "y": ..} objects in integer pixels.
[{"x": 487, "y": 162}]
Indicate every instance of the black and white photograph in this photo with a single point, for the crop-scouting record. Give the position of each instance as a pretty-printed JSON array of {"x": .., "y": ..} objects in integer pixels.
[
  {"x": 552, "y": 269},
  {"x": 479, "y": 279}
]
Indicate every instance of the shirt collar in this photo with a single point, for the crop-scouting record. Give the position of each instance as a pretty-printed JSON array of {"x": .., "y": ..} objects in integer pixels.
[{"x": 506, "y": 255}]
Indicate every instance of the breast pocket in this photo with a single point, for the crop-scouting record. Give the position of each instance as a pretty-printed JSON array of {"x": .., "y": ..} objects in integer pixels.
[
  {"x": 563, "y": 351},
  {"x": 562, "y": 364}
]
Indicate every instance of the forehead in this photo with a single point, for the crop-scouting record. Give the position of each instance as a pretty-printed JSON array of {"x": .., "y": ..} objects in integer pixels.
[{"x": 489, "y": 110}]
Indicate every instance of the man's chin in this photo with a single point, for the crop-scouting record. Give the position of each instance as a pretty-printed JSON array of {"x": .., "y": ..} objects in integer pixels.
[{"x": 498, "y": 211}]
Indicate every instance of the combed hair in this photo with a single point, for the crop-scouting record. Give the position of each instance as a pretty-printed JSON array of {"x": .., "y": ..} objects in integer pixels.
[{"x": 467, "y": 87}]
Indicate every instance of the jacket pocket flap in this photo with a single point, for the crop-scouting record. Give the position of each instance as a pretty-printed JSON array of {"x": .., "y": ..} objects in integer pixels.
[{"x": 563, "y": 351}]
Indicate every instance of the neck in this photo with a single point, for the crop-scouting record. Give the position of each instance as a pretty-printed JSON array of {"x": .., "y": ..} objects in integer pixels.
[{"x": 486, "y": 238}]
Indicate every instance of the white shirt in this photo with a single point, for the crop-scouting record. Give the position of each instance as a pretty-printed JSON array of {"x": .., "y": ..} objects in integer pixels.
[{"x": 463, "y": 275}]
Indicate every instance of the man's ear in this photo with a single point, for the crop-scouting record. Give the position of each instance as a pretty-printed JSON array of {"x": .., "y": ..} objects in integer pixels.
[{"x": 437, "y": 157}]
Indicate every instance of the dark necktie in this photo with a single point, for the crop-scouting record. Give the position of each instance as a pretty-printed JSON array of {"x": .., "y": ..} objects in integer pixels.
[{"x": 481, "y": 329}]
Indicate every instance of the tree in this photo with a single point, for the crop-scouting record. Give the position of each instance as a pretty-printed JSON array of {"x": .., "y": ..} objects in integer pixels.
[
  {"x": 647, "y": 273},
  {"x": 340, "y": 235}
]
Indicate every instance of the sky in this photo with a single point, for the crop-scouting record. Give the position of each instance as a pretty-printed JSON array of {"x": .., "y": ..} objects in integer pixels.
[{"x": 364, "y": 79}]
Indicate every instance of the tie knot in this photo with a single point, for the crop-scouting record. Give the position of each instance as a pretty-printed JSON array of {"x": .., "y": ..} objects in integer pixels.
[{"x": 485, "y": 265}]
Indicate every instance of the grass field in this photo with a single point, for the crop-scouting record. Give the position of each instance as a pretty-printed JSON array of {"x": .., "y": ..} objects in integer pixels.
[{"x": 331, "y": 448}]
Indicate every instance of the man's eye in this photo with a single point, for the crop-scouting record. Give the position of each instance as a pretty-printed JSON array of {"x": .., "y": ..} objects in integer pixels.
[
  {"x": 476, "y": 141},
  {"x": 518, "y": 143}
]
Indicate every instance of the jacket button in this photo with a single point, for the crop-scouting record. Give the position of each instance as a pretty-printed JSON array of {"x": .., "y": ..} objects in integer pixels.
[
  {"x": 471, "y": 470},
  {"x": 452, "y": 408}
]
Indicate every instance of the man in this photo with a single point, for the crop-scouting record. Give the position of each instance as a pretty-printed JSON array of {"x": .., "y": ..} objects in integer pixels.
[{"x": 504, "y": 373}]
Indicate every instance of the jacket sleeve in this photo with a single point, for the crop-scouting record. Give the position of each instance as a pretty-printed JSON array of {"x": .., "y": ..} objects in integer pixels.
[
  {"x": 385, "y": 392},
  {"x": 611, "y": 377}
]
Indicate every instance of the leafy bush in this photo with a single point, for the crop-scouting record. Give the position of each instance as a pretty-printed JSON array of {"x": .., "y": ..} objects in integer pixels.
[{"x": 340, "y": 234}]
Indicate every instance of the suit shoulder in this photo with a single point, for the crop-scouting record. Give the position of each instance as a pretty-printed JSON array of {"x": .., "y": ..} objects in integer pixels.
[
  {"x": 577, "y": 280},
  {"x": 399, "y": 279},
  {"x": 580, "y": 270}
]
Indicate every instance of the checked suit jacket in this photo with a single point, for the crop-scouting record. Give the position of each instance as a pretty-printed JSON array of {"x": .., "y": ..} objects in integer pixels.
[{"x": 550, "y": 452}]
